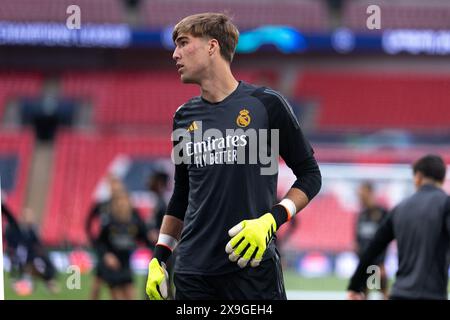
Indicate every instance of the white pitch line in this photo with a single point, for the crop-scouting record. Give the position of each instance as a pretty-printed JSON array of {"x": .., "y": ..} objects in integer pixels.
[
  {"x": 324, "y": 295},
  {"x": 315, "y": 295}
]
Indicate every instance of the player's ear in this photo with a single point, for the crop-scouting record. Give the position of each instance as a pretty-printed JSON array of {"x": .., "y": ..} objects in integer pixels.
[
  {"x": 213, "y": 46},
  {"x": 418, "y": 177}
]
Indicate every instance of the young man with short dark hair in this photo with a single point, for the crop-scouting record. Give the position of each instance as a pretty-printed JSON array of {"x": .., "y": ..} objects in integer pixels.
[
  {"x": 223, "y": 212},
  {"x": 421, "y": 226}
]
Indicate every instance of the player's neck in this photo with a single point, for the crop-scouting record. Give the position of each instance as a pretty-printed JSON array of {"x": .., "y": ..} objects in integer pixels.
[
  {"x": 218, "y": 85},
  {"x": 430, "y": 182}
]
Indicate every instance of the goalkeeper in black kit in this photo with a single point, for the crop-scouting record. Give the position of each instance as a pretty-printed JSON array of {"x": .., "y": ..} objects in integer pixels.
[{"x": 223, "y": 214}]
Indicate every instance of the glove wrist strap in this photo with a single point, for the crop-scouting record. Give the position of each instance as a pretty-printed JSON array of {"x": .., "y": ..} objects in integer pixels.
[
  {"x": 162, "y": 253},
  {"x": 279, "y": 213},
  {"x": 164, "y": 247}
]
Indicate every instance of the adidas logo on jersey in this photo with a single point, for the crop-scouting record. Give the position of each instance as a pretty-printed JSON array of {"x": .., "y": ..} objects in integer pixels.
[{"x": 192, "y": 127}]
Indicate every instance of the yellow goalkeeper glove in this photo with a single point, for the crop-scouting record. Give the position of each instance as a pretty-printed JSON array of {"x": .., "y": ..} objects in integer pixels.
[
  {"x": 250, "y": 237},
  {"x": 157, "y": 281}
]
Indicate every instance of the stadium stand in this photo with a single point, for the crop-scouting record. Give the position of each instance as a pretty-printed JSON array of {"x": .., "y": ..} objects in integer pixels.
[
  {"x": 303, "y": 14},
  {"x": 372, "y": 101},
  {"x": 137, "y": 98},
  {"x": 399, "y": 14},
  {"x": 327, "y": 224},
  {"x": 81, "y": 160},
  {"x": 98, "y": 11},
  {"x": 16, "y": 84},
  {"x": 119, "y": 99},
  {"x": 323, "y": 225},
  {"x": 307, "y": 15},
  {"x": 130, "y": 98},
  {"x": 17, "y": 149}
]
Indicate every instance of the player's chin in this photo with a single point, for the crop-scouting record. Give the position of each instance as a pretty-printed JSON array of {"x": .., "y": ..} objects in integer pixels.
[{"x": 186, "y": 79}]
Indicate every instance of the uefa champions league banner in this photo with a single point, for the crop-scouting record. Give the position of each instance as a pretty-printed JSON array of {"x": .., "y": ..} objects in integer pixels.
[{"x": 285, "y": 39}]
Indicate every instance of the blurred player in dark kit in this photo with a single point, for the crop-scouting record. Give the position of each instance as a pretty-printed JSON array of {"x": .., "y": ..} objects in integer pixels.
[
  {"x": 30, "y": 258},
  {"x": 421, "y": 226},
  {"x": 367, "y": 224},
  {"x": 157, "y": 185},
  {"x": 119, "y": 237},
  {"x": 99, "y": 215}
]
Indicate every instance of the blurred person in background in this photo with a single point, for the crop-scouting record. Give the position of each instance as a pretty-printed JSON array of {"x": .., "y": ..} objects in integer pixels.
[
  {"x": 369, "y": 219},
  {"x": 421, "y": 226},
  {"x": 101, "y": 209},
  {"x": 119, "y": 237},
  {"x": 12, "y": 235},
  {"x": 157, "y": 185},
  {"x": 9, "y": 217},
  {"x": 100, "y": 215},
  {"x": 31, "y": 258}
]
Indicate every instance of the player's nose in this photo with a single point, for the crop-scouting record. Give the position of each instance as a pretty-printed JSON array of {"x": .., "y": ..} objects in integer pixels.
[{"x": 176, "y": 54}]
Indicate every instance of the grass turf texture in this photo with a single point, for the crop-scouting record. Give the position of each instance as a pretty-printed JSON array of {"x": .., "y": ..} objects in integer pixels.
[{"x": 292, "y": 282}]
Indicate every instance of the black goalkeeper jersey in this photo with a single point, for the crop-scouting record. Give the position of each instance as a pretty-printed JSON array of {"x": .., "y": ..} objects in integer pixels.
[{"x": 216, "y": 190}]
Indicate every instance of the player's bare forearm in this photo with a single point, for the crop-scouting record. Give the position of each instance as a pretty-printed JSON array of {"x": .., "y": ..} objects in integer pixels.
[
  {"x": 168, "y": 238},
  {"x": 294, "y": 201},
  {"x": 298, "y": 197},
  {"x": 171, "y": 226}
]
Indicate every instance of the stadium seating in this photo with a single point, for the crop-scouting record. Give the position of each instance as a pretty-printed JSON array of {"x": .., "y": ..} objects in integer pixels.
[
  {"x": 137, "y": 99},
  {"x": 16, "y": 84},
  {"x": 324, "y": 225},
  {"x": 130, "y": 98},
  {"x": 347, "y": 101},
  {"x": 372, "y": 101},
  {"x": 307, "y": 15},
  {"x": 80, "y": 161},
  {"x": 303, "y": 14},
  {"x": 98, "y": 11},
  {"x": 413, "y": 14},
  {"x": 18, "y": 145}
]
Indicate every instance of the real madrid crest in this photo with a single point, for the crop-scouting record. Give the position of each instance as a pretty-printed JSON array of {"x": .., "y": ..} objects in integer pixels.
[{"x": 243, "y": 118}]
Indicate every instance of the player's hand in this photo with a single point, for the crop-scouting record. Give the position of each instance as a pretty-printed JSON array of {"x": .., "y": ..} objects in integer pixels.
[
  {"x": 157, "y": 281},
  {"x": 250, "y": 239},
  {"x": 353, "y": 295},
  {"x": 111, "y": 261}
]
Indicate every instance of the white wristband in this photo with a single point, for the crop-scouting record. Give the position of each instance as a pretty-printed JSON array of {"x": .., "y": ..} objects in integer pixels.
[
  {"x": 290, "y": 207},
  {"x": 167, "y": 241}
]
